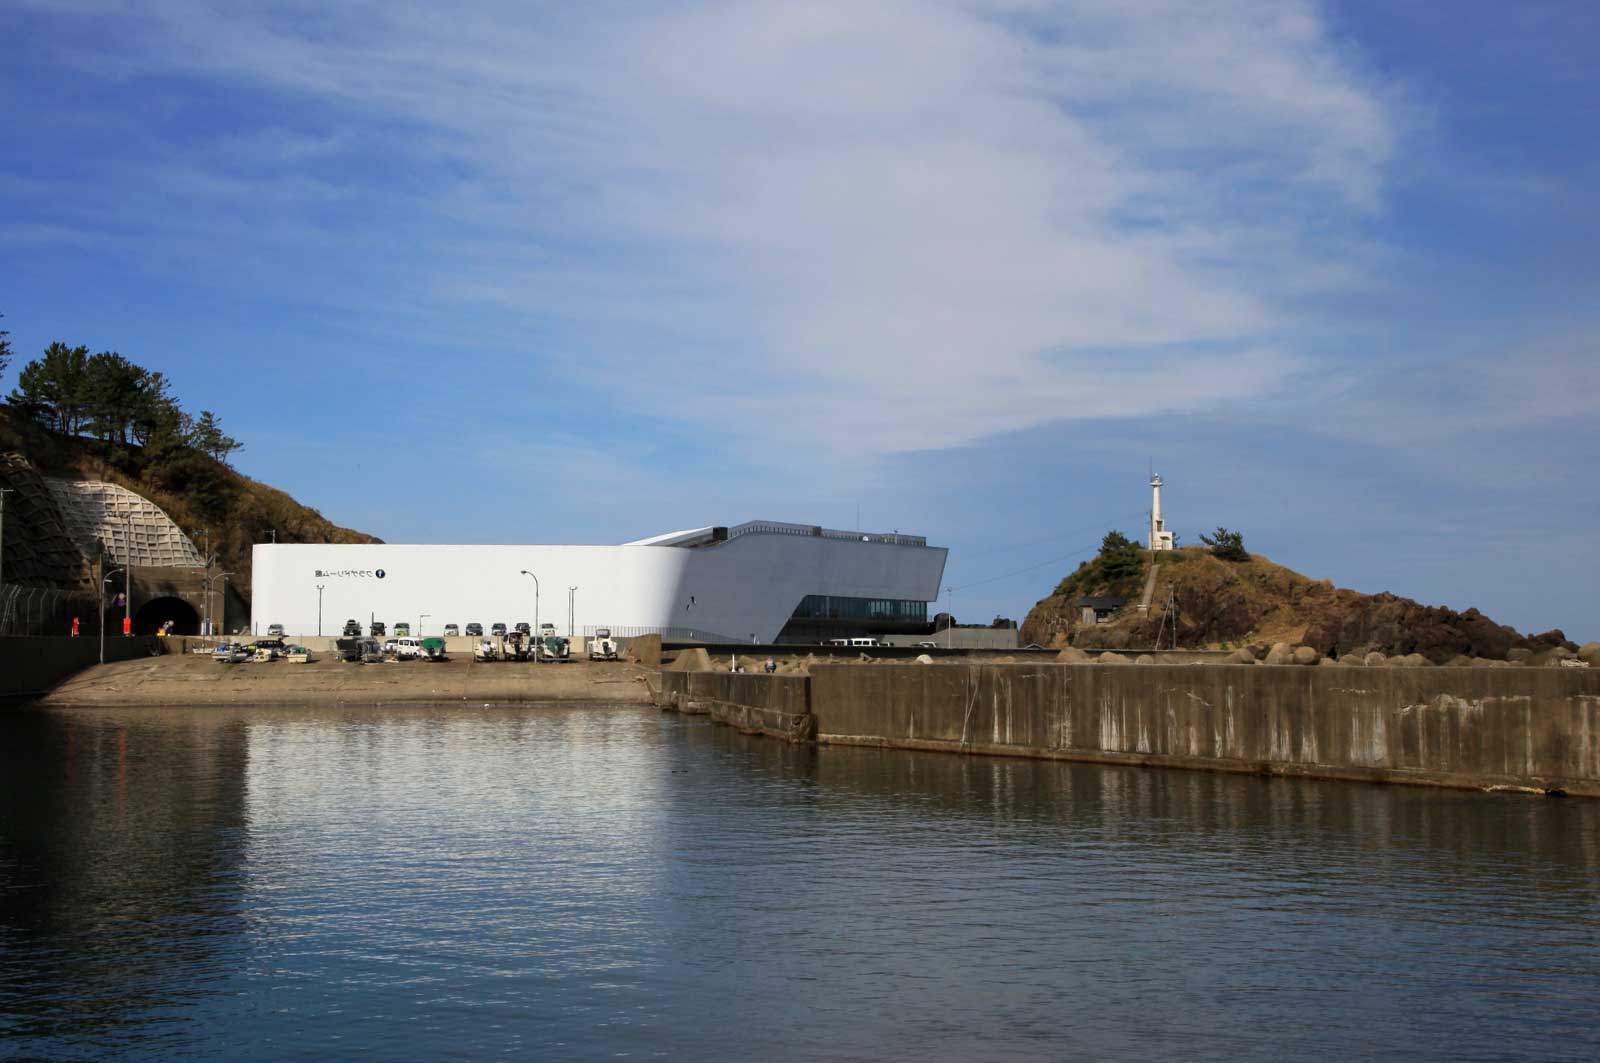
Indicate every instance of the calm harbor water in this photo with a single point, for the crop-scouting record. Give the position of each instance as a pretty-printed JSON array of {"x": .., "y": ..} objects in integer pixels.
[{"x": 577, "y": 883}]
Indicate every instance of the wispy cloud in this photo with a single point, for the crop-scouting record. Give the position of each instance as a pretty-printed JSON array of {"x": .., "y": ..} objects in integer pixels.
[{"x": 916, "y": 224}]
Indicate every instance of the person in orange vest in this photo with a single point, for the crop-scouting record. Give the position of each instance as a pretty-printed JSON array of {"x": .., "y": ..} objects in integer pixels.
[
  {"x": 127, "y": 625},
  {"x": 74, "y": 627}
]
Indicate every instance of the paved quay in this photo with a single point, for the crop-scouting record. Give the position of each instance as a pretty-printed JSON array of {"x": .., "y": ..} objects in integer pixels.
[{"x": 196, "y": 680}]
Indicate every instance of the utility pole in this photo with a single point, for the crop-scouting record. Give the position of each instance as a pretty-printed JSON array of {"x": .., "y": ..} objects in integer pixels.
[
  {"x": 319, "y": 609},
  {"x": 127, "y": 583},
  {"x": 572, "y": 593},
  {"x": 3, "y": 492},
  {"x": 949, "y": 611}
]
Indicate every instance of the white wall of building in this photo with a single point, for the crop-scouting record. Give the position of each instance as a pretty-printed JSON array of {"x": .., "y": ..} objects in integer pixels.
[{"x": 743, "y": 588}]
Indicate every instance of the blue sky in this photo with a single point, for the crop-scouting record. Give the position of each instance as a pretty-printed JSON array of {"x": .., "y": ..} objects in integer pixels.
[{"x": 583, "y": 273}]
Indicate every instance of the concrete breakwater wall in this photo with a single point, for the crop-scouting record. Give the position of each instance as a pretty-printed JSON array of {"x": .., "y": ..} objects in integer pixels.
[
  {"x": 776, "y": 705},
  {"x": 1533, "y": 729},
  {"x": 31, "y": 666}
]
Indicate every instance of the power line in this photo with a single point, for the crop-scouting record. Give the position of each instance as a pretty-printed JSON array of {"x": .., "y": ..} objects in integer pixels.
[
  {"x": 1079, "y": 552},
  {"x": 1051, "y": 538}
]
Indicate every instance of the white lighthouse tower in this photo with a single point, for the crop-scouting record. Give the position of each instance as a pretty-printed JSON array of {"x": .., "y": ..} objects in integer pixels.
[{"x": 1160, "y": 538}]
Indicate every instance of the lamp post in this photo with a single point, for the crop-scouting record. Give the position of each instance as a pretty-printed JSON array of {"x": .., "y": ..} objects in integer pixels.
[
  {"x": 420, "y": 618},
  {"x": 572, "y": 593},
  {"x": 104, "y": 578},
  {"x": 319, "y": 609},
  {"x": 225, "y": 576},
  {"x": 537, "y": 630}
]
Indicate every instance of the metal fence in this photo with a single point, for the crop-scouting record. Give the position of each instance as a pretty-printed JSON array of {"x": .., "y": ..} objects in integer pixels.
[
  {"x": 674, "y": 634},
  {"x": 26, "y": 610}
]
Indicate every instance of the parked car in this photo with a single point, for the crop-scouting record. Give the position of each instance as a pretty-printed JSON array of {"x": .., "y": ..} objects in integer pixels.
[
  {"x": 229, "y": 653},
  {"x": 378, "y": 630},
  {"x": 498, "y": 631},
  {"x": 407, "y": 648},
  {"x": 390, "y": 648},
  {"x": 474, "y": 629},
  {"x": 451, "y": 631},
  {"x": 402, "y": 628},
  {"x": 266, "y": 649},
  {"x": 352, "y": 630},
  {"x": 524, "y": 627},
  {"x": 275, "y": 629}
]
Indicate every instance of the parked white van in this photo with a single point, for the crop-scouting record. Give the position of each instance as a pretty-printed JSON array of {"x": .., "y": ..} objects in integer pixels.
[{"x": 409, "y": 649}]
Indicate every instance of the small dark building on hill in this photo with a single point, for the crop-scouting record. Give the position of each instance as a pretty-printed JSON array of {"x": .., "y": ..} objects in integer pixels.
[{"x": 1099, "y": 610}]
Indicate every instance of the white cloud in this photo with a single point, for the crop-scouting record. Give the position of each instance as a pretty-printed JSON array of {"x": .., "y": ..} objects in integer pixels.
[{"x": 917, "y": 223}]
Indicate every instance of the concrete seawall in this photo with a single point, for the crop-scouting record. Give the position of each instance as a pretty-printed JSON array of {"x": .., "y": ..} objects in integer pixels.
[
  {"x": 31, "y": 666},
  {"x": 1536, "y": 729},
  {"x": 776, "y": 705}
]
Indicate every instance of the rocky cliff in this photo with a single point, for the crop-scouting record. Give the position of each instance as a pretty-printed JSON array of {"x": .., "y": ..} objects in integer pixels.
[{"x": 1227, "y": 604}]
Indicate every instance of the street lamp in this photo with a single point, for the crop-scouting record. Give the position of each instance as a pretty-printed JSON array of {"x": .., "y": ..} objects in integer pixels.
[
  {"x": 420, "y": 618},
  {"x": 104, "y": 579},
  {"x": 319, "y": 609},
  {"x": 536, "y": 628},
  {"x": 571, "y": 596}
]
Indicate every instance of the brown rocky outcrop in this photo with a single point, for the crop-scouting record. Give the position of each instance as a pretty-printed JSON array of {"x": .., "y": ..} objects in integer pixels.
[{"x": 1261, "y": 604}]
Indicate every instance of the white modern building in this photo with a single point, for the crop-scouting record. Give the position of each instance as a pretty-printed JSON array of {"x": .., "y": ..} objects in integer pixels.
[{"x": 761, "y": 581}]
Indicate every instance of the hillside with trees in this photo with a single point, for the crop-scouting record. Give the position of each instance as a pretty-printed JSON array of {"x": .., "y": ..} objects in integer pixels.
[{"x": 78, "y": 415}]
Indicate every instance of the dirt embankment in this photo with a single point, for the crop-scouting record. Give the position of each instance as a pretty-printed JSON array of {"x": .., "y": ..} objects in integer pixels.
[
  {"x": 193, "y": 679},
  {"x": 1224, "y": 604}
]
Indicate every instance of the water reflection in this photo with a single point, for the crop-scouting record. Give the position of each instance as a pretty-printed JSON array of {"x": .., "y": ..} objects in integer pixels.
[
  {"x": 120, "y": 850},
  {"x": 462, "y": 883}
]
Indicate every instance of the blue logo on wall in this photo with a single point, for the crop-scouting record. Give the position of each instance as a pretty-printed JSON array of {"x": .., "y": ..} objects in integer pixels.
[{"x": 379, "y": 573}]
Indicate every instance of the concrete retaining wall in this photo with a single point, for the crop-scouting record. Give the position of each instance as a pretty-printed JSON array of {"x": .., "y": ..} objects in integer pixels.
[
  {"x": 755, "y": 703},
  {"x": 1518, "y": 728},
  {"x": 31, "y": 666}
]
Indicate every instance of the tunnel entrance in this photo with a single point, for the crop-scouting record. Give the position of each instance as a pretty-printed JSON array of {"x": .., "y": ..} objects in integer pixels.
[{"x": 157, "y": 611}]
